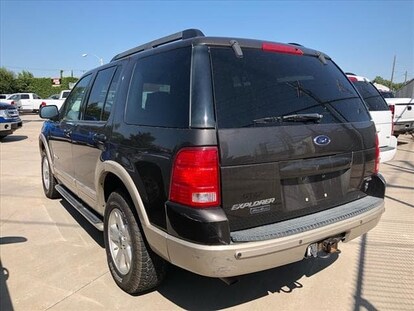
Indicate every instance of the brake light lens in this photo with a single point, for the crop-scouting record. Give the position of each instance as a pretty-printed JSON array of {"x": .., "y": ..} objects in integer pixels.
[
  {"x": 280, "y": 48},
  {"x": 195, "y": 179},
  {"x": 377, "y": 155},
  {"x": 42, "y": 104},
  {"x": 352, "y": 79},
  {"x": 12, "y": 102}
]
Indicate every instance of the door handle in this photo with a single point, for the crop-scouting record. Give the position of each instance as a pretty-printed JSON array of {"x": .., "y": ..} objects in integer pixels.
[
  {"x": 67, "y": 132},
  {"x": 99, "y": 138}
]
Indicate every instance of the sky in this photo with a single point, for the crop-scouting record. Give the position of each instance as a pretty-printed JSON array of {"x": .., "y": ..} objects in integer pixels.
[{"x": 362, "y": 37}]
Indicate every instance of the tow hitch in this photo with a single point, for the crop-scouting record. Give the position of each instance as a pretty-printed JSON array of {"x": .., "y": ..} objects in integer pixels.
[{"x": 324, "y": 248}]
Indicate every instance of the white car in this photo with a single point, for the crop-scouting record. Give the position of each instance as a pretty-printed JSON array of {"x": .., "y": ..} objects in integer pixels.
[{"x": 381, "y": 115}]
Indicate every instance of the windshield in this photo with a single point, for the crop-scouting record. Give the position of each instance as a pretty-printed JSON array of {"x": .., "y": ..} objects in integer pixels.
[
  {"x": 273, "y": 85},
  {"x": 371, "y": 96}
]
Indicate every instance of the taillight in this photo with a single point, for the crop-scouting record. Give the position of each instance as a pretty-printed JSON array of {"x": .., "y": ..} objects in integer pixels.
[
  {"x": 392, "y": 108},
  {"x": 280, "y": 48},
  {"x": 195, "y": 179},
  {"x": 42, "y": 104},
  {"x": 377, "y": 155},
  {"x": 12, "y": 102},
  {"x": 352, "y": 79}
]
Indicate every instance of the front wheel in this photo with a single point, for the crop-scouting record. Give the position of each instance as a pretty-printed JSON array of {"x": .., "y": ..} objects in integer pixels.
[
  {"x": 48, "y": 180},
  {"x": 133, "y": 265}
]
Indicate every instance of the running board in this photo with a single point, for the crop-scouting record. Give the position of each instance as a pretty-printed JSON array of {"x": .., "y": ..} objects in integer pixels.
[{"x": 82, "y": 209}]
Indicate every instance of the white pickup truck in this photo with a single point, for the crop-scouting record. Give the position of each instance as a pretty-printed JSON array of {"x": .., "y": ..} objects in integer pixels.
[
  {"x": 25, "y": 101},
  {"x": 403, "y": 112},
  {"x": 59, "y": 100},
  {"x": 32, "y": 102}
]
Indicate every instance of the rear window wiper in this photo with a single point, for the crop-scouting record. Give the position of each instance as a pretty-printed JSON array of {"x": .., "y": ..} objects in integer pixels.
[
  {"x": 299, "y": 117},
  {"x": 303, "y": 117}
]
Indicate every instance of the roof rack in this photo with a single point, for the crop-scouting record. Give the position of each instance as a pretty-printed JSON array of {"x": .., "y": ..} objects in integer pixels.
[{"x": 182, "y": 35}]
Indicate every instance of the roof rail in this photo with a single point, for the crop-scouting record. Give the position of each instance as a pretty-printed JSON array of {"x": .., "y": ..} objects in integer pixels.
[{"x": 182, "y": 35}]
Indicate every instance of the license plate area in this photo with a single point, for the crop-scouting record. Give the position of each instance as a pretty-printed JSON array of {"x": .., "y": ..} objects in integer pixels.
[{"x": 315, "y": 190}]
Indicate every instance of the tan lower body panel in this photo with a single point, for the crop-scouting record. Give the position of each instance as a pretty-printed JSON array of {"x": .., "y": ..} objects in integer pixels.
[{"x": 243, "y": 258}]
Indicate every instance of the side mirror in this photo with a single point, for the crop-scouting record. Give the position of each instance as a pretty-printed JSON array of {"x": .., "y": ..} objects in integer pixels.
[{"x": 49, "y": 112}]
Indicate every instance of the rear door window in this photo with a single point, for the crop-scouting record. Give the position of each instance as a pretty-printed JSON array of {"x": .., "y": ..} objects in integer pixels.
[
  {"x": 159, "y": 90},
  {"x": 98, "y": 95},
  {"x": 270, "y": 86},
  {"x": 371, "y": 96}
]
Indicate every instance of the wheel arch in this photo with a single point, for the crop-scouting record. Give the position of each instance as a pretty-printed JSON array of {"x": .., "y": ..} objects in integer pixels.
[
  {"x": 44, "y": 146},
  {"x": 111, "y": 176}
]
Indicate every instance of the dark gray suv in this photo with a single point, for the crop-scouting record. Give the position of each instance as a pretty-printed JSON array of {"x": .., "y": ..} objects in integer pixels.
[{"x": 222, "y": 156}]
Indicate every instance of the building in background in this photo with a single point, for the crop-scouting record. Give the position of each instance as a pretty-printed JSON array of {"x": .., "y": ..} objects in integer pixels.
[{"x": 407, "y": 91}]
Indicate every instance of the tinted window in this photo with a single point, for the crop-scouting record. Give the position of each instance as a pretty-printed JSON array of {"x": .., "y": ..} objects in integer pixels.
[
  {"x": 110, "y": 98},
  {"x": 24, "y": 96},
  {"x": 264, "y": 84},
  {"x": 159, "y": 90},
  {"x": 35, "y": 96},
  {"x": 98, "y": 95},
  {"x": 371, "y": 96},
  {"x": 73, "y": 102},
  {"x": 387, "y": 94}
]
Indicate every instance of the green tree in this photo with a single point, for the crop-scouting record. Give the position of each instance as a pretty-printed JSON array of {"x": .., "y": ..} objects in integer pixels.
[
  {"x": 7, "y": 81},
  {"x": 24, "y": 82},
  {"x": 387, "y": 83}
]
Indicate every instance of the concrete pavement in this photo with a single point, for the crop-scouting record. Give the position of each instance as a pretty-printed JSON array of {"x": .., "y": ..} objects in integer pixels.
[{"x": 52, "y": 259}]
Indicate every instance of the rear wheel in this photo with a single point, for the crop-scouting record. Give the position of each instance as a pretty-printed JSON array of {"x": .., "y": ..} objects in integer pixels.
[
  {"x": 133, "y": 265},
  {"x": 48, "y": 180}
]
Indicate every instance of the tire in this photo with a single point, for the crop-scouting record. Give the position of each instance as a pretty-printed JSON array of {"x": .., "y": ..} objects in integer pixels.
[
  {"x": 133, "y": 265},
  {"x": 48, "y": 180}
]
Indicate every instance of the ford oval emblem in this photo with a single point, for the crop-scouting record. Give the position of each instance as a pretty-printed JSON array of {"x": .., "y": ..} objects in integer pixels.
[{"x": 322, "y": 140}]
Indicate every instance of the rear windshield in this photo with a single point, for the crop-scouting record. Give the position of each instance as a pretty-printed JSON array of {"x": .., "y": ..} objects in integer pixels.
[
  {"x": 371, "y": 96},
  {"x": 263, "y": 86},
  {"x": 387, "y": 94}
]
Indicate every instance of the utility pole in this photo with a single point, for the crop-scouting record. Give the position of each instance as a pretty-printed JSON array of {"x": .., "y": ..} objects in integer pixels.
[
  {"x": 393, "y": 67},
  {"x": 405, "y": 79}
]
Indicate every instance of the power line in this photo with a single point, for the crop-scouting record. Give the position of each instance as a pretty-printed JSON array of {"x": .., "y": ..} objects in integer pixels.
[{"x": 42, "y": 69}]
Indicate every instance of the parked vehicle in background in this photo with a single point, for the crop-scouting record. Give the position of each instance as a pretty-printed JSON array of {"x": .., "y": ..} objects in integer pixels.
[
  {"x": 403, "y": 111},
  {"x": 387, "y": 94},
  {"x": 384, "y": 90},
  {"x": 54, "y": 96},
  {"x": 380, "y": 113},
  {"x": 4, "y": 96},
  {"x": 27, "y": 101},
  {"x": 58, "y": 99},
  {"x": 12, "y": 99},
  {"x": 9, "y": 119},
  {"x": 221, "y": 156}
]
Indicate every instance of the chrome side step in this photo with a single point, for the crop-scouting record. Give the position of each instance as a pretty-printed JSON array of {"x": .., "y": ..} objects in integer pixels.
[{"x": 82, "y": 209}]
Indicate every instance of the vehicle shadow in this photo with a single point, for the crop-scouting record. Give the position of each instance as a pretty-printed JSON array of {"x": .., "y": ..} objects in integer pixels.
[
  {"x": 95, "y": 234},
  {"x": 5, "y": 301},
  {"x": 193, "y": 292},
  {"x": 13, "y": 138}
]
